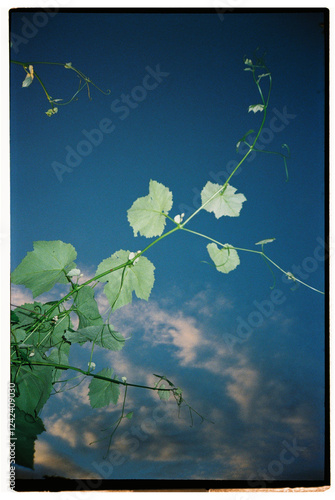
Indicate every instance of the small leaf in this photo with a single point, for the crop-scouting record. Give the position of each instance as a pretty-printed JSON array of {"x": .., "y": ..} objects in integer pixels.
[
  {"x": 102, "y": 392},
  {"x": 146, "y": 215},
  {"x": 225, "y": 259},
  {"x": 222, "y": 203},
  {"x": 256, "y": 107},
  {"x": 263, "y": 242},
  {"x": 163, "y": 395},
  {"x": 129, "y": 415}
]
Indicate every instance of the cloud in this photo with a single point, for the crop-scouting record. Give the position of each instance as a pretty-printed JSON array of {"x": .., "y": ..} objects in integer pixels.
[
  {"x": 163, "y": 327},
  {"x": 243, "y": 385},
  {"x": 50, "y": 462},
  {"x": 20, "y": 295},
  {"x": 208, "y": 303},
  {"x": 254, "y": 410}
]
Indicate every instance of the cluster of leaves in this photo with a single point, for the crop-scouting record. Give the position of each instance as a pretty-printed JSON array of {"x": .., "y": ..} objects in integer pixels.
[{"x": 42, "y": 333}]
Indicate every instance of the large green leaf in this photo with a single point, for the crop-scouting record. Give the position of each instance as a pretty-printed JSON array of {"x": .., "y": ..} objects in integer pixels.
[
  {"x": 45, "y": 266},
  {"x": 102, "y": 335},
  {"x": 26, "y": 430},
  {"x": 146, "y": 214},
  {"x": 101, "y": 392},
  {"x": 225, "y": 202},
  {"x": 225, "y": 259},
  {"x": 87, "y": 308},
  {"x": 34, "y": 385},
  {"x": 138, "y": 277}
]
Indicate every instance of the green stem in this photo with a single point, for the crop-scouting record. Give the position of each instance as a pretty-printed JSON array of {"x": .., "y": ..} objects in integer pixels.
[
  {"x": 287, "y": 273},
  {"x": 251, "y": 148},
  {"x": 87, "y": 373}
]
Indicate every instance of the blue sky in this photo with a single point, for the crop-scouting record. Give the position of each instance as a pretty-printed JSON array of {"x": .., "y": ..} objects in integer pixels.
[{"x": 249, "y": 359}]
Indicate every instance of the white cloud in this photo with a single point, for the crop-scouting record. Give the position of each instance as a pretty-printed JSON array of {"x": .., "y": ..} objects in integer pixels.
[
  {"x": 208, "y": 303},
  {"x": 243, "y": 385},
  {"x": 20, "y": 295},
  {"x": 163, "y": 327}
]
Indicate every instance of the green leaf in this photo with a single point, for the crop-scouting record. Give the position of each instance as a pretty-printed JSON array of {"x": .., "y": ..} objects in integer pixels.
[
  {"x": 138, "y": 278},
  {"x": 87, "y": 308},
  {"x": 256, "y": 107},
  {"x": 14, "y": 318},
  {"x": 146, "y": 214},
  {"x": 101, "y": 392},
  {"x": 225, "y": 202},
  {"x": 45, "y": 266},
  {"x": 263, "y": 242},
  {"x": 102, "y": 335},
  {"x": 18, "y": 335},
  {"x": 225, "y": 259},
  {"x": 34, "y": 384},
  {"x": 163, "y": 395},
  {"x": 129, "y": 415},
  {"x": 27, "y": 429}
]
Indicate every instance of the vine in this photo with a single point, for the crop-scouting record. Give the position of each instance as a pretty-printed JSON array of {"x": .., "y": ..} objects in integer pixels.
[
  {"x": 84, "y": 81},
  {"x": 42, "y": 334}
]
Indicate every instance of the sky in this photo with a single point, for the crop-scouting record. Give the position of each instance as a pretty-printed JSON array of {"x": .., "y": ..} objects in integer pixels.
[{"x": 248, "y": 358}]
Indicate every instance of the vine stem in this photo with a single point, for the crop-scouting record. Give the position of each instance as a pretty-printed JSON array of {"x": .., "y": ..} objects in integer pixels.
[
  {"x": 251, "y": 148},
  {"x": 79, "y": 73},
  {"x": 178, "y": 226},
  {"x": 287, "y": 273},
  {"x": 88, "y": 373}
]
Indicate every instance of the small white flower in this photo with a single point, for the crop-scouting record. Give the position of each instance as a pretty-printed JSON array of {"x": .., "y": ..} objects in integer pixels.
[
  {"x": 132, "y": 255},
  {"x": 74, "y": 272},
  {"x": 179, "y": 218},
  {"x": 31, "y": 354},
  {"x": 256, "y": 107},
  {"x": 290, "y": 276},
  {"x": 248, "y": 62},
  {"x": 124, "y": 379},
  {"x": 68, "y": 65},
  {"x": 91, "y": 365},
  {"x": 55, "y": 319}
]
